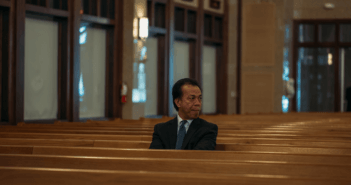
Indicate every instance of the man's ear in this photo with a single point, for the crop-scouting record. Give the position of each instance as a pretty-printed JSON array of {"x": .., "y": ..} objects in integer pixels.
[{"x": 177, "y": 102}]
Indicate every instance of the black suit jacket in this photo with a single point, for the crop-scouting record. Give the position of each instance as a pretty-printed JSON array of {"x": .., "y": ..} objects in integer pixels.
[
  {"x": 201, "y": 135},
  {"x": 348, "y": 98}
]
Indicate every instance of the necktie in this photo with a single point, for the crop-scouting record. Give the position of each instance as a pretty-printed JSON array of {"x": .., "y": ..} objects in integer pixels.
[{"x": 181, "y": 135}]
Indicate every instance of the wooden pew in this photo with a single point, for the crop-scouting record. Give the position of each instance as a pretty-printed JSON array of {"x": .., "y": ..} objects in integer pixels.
[
  {"x": 75, "y": 143},
  {"x": 56, "y": 176},
  {"x": 323, "y": 123},
  {"x": 297, "y": 135},
  {"x": 173, "y": 154},
  {"x": 299, "y": 142},
  {"x": 74, "y": 136},
  {"x": 228, "y": 128},
  {"x": 274, "y": 139},
  {"x": 53, "y": 126},
  {"x": 304, "y": 170},
  {"x": 144, "y": 145},
  {"x": 73, "y": 131},
  {"x": 258, "y": 120}
]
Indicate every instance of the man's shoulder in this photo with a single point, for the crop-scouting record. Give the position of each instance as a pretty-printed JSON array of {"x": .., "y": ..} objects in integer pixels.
[
  {"x": 164, "y": 124},
  {"x": 206, "y": 123}
]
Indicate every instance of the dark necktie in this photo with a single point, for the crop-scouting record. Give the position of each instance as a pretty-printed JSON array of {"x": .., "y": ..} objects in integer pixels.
[{"x": 181, "y": 135}]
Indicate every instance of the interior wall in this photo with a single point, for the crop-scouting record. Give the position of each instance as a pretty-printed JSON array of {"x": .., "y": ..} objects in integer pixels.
[
  {"x": 314, "y": 9},
  {"x": 92, "y": 74},
  {"x": 288, "y": 45},
  {"x": 180, "y": 65},
  {"x": 151, "y": 77},
  {"x": 258, "y": 57},
  {"x": 133, "y": 55},
  {"x": 209, "y": 89},
  {"x": 128, "y": 51},
  {"x": 284, "y": 15},
  {"x": 277, "y": 68},
  {"x": 40, "y": 72}
]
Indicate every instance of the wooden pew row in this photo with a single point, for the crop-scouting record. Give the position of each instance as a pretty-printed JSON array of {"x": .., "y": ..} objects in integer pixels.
[
  {"x": 274, "y": 117},
  {"x": 298, "y": 170},
  {"x": 223, "y": 140},
  {"x": 277, "y": 116},
  {"x": 109, "y": 130},
  {"x": 230, "y": 125},
  {"x": 286, "y": 127},
  {"x": 333, "y": 135},
  {"x": 73, "y": 131},
  {"x": 174, "y": 154},
  {"x": 40, "y": 126},
  {"x": 271, "y": 117},
  {"x": 297, "y": 140},
  {"x": 74, "y": 136},
  {"x": 258, "y": 120},
  {"x": 226, "y": 124},
  {"x": 222, "y": 129},
  {"x": 248, "y": 139},
  {"x": 283, "y": 148},
  {"x": 282, "y": 120},
  {"x": 56, "y": 176},
  {"x": 219, "y": 123},
  {"x": 144, "y": 145}
]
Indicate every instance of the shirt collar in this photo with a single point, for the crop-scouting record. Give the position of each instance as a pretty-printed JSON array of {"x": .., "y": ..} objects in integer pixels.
[{"x": 180, "y": 120}]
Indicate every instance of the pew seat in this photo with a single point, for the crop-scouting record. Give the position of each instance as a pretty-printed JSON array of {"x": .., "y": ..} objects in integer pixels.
[
  {"x": 57, "y": 176},
  {"x": 230, "y": 167},
  {"x": 173, "y": 154}
]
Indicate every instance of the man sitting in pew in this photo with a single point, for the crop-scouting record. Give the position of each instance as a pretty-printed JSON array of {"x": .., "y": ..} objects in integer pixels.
[{"x": 186, "y": 130}]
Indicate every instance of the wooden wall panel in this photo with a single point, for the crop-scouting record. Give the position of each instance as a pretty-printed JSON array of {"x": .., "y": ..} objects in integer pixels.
[
  {"x": 17, "y": 65},
  {"x": 74, "y": 64},
  {"x": 258, "y": 34},
  {"x": 257, "y": 93}
]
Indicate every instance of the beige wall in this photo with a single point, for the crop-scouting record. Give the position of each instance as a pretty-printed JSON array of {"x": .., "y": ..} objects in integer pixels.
[
  {"x": 283, "y": 17},
  {"x": 314, "y": 9},
  {"x": 284, "y": 14},
  {"x": 128, "y": 51},
  {"x": 134, "y": 9}
]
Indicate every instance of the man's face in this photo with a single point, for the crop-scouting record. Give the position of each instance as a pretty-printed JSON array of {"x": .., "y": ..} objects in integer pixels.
[{"x": 190, "y": 103}]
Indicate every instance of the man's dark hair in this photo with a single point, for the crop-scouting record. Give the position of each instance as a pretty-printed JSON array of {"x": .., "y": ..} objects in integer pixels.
[{"x": 177, "y": 88}]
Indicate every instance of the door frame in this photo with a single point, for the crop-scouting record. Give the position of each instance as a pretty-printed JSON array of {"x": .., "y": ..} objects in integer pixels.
[{"x": 337, "y": 45}]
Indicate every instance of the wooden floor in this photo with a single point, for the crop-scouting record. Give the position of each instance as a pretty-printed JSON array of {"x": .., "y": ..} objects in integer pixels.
[{"x": 294, "y": 148}]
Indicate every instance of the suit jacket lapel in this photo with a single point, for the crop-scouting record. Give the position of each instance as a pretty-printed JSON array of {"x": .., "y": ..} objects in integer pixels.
[
  {"x": 194, "y": 126},
  {"x": 173, "y": 126}
]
